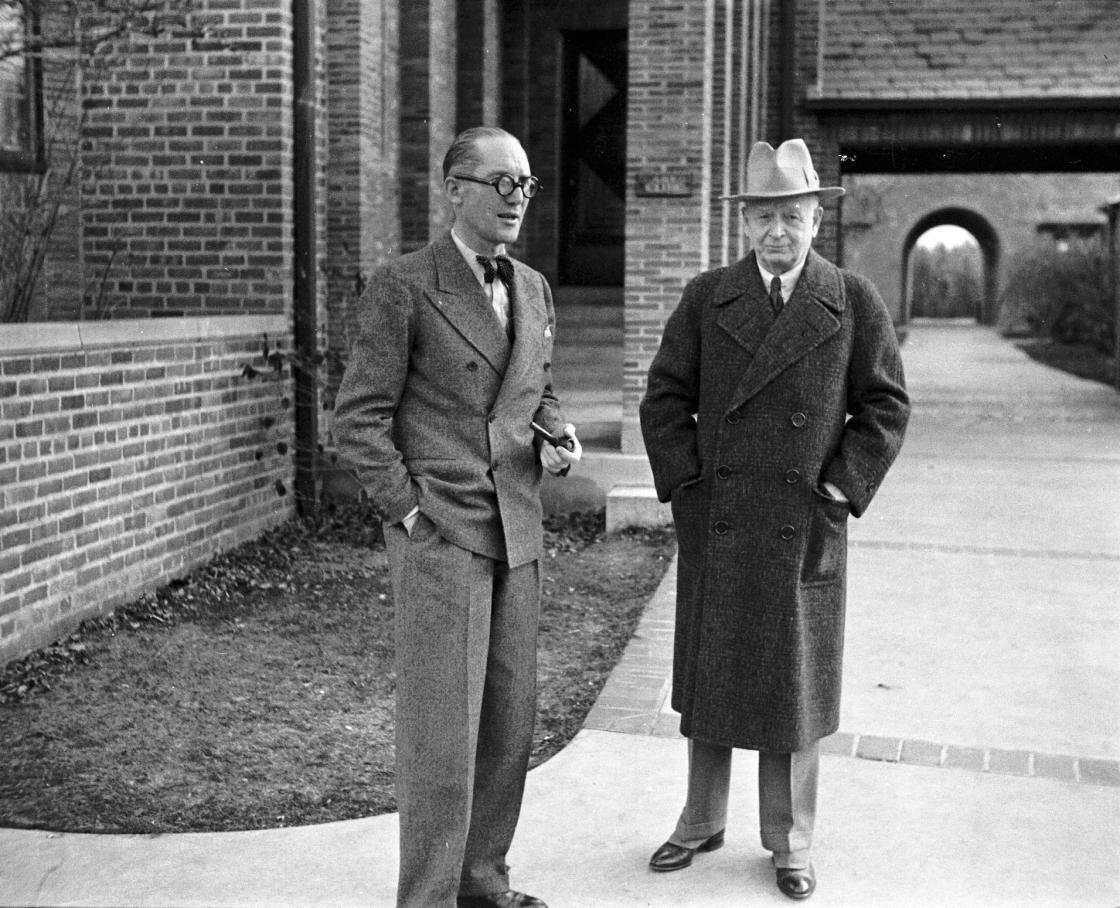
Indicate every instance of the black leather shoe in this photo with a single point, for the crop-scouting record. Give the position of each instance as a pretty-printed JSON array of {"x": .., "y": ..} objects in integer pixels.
[
  {"x": 797, "y": 883},
  {"x": 507, "y": 899},
  {"x": 677, "y": 857}
]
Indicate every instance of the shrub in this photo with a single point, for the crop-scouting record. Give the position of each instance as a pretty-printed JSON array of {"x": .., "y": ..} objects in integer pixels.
[{"x": 1062, "y": 293}]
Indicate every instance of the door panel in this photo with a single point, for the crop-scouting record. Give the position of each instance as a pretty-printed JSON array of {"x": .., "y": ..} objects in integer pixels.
[{"x": 593, "y": 225}]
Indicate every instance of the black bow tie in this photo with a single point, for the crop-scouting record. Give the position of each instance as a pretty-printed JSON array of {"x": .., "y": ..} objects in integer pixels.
[{"x": 504, "y": 269}]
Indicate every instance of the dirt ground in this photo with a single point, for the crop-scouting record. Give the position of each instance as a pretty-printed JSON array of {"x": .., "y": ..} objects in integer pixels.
[{"x": 258, "y": 692}]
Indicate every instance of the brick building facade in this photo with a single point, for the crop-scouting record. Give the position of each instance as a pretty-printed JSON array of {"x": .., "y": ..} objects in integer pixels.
[{"x": 218, "y": 188}]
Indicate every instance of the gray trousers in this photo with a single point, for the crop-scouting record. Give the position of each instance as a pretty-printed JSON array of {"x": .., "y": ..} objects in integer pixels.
[
  {"x": 787, "y": 799},
  {"x": 466, "y": 629}
]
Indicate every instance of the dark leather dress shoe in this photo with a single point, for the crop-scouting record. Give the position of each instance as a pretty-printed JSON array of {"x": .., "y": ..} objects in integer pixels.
[
  {"x": 677, "y": 857},
  {"x": 507, "y": 899},
  {"x": 797, "y": 883}
]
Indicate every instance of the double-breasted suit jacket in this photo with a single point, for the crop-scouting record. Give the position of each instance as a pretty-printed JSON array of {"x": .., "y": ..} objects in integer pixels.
[
  {"x": 745, "y": 416},
  {"x": 436, "y": 403}
]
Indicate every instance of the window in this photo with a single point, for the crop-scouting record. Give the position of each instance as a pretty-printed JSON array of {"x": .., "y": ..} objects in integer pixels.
[{"x": 19, "y": 102}]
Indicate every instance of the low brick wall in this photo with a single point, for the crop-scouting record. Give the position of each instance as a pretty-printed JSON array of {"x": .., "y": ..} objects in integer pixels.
[{"x": 130, "y": 452}]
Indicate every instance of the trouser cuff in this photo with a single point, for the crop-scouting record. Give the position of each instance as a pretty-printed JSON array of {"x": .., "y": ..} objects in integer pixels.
[
  {"x": 792, "y": 860},
  {"x": 693, "y": 835}
]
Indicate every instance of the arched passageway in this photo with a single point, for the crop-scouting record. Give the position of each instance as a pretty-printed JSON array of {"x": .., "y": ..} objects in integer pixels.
[{"x": 982, "y": 305}]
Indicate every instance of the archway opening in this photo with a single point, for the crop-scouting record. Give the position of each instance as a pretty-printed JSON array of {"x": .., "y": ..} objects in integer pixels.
[
  {"x": 950, "y": 262},
  {"x": 945, "y": 275}
]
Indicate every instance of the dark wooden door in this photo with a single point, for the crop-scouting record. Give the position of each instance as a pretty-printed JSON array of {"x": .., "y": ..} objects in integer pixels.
[{"x": 593, "y": 158}]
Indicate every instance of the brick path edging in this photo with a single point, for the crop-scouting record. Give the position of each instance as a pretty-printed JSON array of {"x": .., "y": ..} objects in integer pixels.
[{"x": 635, "y": 701}]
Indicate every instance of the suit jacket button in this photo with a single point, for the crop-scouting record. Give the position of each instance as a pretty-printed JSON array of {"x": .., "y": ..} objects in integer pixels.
[
  {"x": 721, "y": 527},
  {"x": 798, "y": 419},
  {"x": 472, "y": 366},
  {"x": 788, "y": 532},
  {"x": 723, "y": 472},
  {"x": 491, "y": 417},
  {"x": 493, "y": 467},
  {"x": 792, "y": 476},
  {"x": 732, "y": 418}
]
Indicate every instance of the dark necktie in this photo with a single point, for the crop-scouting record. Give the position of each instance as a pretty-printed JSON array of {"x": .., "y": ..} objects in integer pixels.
[
  {"x": 776, "y": 294},
  {"x": 504, "y": 269}
]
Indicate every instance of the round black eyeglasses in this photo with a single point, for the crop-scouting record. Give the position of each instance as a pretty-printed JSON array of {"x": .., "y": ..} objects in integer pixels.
[{"x": 505, "y": 184}]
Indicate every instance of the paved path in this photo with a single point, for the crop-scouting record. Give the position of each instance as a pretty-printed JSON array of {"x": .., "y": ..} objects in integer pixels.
[{"x": 977, "y": 762}]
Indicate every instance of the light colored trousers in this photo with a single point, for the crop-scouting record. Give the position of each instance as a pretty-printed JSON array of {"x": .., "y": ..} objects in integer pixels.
[
  {"x": 787, "y": 799},
  {"x": 466, "y": 645}
]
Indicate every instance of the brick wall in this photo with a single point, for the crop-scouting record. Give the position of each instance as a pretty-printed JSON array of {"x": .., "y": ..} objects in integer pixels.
[
  {"x": 363, "y": 206},
  {"x": 883, "y": 211},
  {"x": 130, "y": 451},
  {"x": 187, "y": 199}
]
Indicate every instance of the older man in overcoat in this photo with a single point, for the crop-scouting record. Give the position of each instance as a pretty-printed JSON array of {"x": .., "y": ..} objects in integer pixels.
[
  {"x": 774, "y": 408},
  {"x": 449, "y": 371}
]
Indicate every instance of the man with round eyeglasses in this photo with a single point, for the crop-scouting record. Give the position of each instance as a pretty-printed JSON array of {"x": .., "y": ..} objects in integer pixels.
[{"x": 449, "y": 373}]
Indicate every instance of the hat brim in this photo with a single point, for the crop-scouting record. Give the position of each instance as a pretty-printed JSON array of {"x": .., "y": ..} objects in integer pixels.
[{"x": 825, "y": 192}]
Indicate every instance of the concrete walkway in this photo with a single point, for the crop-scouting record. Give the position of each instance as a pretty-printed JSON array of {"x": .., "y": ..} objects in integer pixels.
[{"x": 977, "y": 762}]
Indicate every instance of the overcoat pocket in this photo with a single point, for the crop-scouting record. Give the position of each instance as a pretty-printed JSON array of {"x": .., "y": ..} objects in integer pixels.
[{"x": 826, "y": 551}]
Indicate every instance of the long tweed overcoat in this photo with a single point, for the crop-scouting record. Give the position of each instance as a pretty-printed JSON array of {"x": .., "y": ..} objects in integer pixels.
[{"x": 744, "y": 417}]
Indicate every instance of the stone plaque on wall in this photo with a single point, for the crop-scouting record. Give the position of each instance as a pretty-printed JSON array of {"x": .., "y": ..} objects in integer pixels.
[{"x": 663, "y": 184}]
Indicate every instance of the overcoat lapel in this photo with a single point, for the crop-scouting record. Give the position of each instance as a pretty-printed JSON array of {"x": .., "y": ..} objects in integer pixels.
[
  {"x": 774, "y": 344},
  {"x": 460, "y": 299}
]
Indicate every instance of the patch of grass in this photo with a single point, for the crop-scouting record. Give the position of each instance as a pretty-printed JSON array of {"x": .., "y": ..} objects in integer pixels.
[
  {"x": 1083, "y": 360},
  {"x": 258, "y": 691}
]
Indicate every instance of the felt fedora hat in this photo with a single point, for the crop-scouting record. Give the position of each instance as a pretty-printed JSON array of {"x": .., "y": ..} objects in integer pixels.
[{"x": 775, "y": 173}]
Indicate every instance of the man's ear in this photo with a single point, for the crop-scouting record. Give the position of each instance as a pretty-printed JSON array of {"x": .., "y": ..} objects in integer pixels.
[{"x": 453, "y": 189}]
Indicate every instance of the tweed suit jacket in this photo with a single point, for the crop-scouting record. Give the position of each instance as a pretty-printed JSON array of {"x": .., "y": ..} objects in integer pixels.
[{"x": 435, "y": 405}]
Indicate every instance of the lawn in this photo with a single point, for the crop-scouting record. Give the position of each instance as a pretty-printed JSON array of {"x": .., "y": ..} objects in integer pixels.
[
  {"x": 1082, "y": 360},
  {"x": 257, "y": 692}
]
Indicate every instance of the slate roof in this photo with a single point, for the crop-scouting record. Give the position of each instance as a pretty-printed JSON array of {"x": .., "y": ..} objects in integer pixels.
[{"x": 891, "y": 49}]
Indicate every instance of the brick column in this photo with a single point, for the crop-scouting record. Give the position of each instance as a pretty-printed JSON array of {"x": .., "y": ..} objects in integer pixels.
[
  {"x": 480, "y": 55},
  {"x": 694, "y": 84},
  {"x": 362, "y": 210},
  {"x": 428, "y": 120},
  {"x": 667, "y": 141}
]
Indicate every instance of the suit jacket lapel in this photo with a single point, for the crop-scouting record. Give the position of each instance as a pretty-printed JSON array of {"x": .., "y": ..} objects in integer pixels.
[
  {"x": 460, "y": 299},
  {"x": 527, "y": 313},
  {"x": 805, "y": 322}
]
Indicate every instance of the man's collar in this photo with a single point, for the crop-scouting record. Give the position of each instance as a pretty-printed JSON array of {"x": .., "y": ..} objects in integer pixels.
[
  {"x": 789, "y": 279},
  {"x": 468, "y": 253}
]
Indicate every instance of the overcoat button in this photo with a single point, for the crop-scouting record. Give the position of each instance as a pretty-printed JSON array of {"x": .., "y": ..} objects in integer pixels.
[
  {"x": 788, "y": 532},
  {"x": 732, "y": 418},
  {"x": 472, "y": 366},
  {"x": 492, "y": 417},
  {"x": 792, "y": 476},
  {"x": 721, "y": 527},
  {"x": 798, "y": 420},
  {"x": 493, "y": 467},
  {"x": 723, "y": 472}
]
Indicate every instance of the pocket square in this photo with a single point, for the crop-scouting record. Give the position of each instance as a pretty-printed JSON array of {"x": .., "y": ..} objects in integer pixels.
[{"x": 548, "y": 330}]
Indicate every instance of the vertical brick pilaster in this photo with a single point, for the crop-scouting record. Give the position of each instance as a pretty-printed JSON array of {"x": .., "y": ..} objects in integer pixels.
[
  {"x": 685, "y": 122},
  {"x": 363, "y": 201},
  {"x": 478, "y": 88},
  {"x": 428, "y": 58}
]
